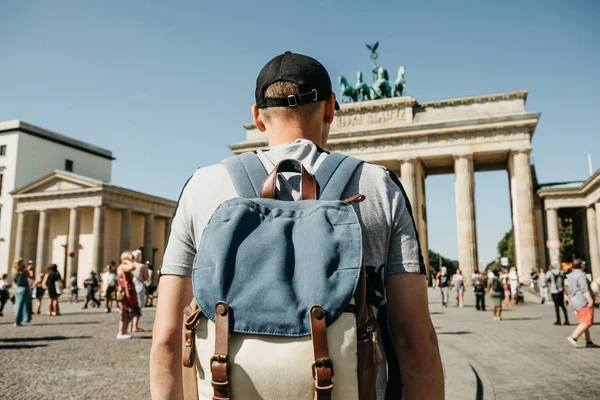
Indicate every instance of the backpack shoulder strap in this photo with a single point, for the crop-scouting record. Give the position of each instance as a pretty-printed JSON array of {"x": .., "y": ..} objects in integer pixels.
[
  {"x": 247, "y": 173},
  {"x": 334, "y": 173}
]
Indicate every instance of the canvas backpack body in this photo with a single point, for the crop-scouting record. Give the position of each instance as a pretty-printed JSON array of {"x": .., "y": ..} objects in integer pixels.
[{"x": 282, "y": 304}]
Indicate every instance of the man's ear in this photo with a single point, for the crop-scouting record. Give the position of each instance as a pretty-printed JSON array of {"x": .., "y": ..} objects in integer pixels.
[
  {"x": 260, "y": 125},
  {"x": 330, "y": 109}
]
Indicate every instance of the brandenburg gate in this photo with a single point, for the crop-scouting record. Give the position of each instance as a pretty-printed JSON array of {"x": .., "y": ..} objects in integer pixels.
[{"x": 460, "y": 136}]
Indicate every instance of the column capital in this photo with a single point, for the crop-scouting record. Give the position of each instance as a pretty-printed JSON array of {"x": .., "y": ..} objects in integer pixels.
[
  {"x": 457, "y": 156},
  {"x": 526, "y": 150}
]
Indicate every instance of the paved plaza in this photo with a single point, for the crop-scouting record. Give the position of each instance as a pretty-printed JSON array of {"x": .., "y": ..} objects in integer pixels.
[{"x": 76, "y": 356}]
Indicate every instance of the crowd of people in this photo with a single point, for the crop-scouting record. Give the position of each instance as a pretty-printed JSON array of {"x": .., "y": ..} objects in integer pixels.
[
  {"x": 568, "y": 284},
  {"x": 130, "y": 284}
]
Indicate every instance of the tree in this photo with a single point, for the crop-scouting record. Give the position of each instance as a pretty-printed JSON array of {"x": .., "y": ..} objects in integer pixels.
[
  {"x": 567, "y": 241},
  {"x": 506, "y": 248},
  {"x": 434, "y": 263}
]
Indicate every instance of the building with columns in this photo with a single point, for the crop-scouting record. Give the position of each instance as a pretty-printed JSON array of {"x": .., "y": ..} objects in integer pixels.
[
  {"x": 58, "y": 206},
  {"x": 457, "y": 136}
]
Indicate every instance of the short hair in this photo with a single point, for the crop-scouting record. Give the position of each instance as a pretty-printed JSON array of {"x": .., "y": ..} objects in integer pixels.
[
  {"x": 281, "y": 89},
  {"x": 126, "y": 256},
  {"x": 578, "y": 263}
]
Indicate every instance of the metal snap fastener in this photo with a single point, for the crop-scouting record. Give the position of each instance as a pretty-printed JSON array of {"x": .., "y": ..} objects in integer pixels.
[
  {"x": 317, "y": 312},
  {"x": 221, "y": 310}
]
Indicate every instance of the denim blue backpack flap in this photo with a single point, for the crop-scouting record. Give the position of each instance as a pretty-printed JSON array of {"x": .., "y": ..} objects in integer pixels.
[{"x": 270, "y": 261}]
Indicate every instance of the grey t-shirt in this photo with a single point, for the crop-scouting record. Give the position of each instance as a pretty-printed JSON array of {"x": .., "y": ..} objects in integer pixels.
[
  {"x": 389, "y": 236},
  {"x": 557, "y": 279},
  {"x": 578, "y": 285}
]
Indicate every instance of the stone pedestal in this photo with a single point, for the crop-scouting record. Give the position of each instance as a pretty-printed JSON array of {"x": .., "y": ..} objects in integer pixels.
[{"x": 465, "y": 214}]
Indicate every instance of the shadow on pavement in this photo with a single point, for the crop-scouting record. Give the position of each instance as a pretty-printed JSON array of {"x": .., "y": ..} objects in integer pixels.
[
  {"x": 41, "y": 339},
  {"x": 20, "y": 346},
  {"x": 67, "y": 323},
  {"x": 521, "y": 319},
  {"x": 479, "y": 395},
  {"x": 455, "y": 333}
]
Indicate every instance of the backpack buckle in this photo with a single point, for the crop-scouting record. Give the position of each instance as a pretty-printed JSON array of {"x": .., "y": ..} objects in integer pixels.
[
  {"x": 221, "y": 359},
  {"x": 322, "y": 362}
]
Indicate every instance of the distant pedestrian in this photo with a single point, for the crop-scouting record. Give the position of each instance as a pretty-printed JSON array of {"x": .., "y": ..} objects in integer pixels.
[
  {"x": 556, "y": 278},
  {"x": 22, "y": 293},
  {"x": 479, "y": 287},
  {"x": 582, "y": 301},
  {"x": 126, "y": 295},
  {"x": 442, "y": 282},
  {"x": 542, "y": 282},
  {"x": 496, "y": 291},
  {"x": 74, "y": 289},
  {"x": 506, "y": 286},
  {"x": 37, "y": 293},
  {"x": 533, "y": 278},
  {"x": 140, "y": 278},
  {"x": 53, "y": 283},
  {"x": 459, "y": 286},
  {"x": 91, "y": 287},
  {"x": 4, "y": 292},
  {"x": 109, "y": 286},
  {"x": 513, "y": 278}
]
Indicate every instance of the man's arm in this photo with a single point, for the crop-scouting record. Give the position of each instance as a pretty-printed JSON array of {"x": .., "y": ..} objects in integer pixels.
[
  {"x": 165, "y": 356},
  {"x": 414, "y": 337}
]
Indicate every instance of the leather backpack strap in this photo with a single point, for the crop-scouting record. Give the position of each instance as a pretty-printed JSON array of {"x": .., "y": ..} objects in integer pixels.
[
  {"x": 219, "y": 362},
  {"x": 322, "y": 367}
]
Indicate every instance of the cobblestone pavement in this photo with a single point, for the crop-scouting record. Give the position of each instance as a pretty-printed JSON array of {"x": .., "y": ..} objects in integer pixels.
[
  {"x": 76, "y": 356},
  {"x": 524, "y": 356}
]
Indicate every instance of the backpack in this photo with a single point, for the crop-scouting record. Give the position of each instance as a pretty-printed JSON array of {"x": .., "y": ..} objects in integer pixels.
[
  {"x": 478, "y": 285},
  {"x": 497, "y": 285},
  {"x": 283, "y": 304}
]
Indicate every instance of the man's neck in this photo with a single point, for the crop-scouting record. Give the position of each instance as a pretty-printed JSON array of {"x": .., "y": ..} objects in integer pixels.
[{"x": 283, "y": 135}]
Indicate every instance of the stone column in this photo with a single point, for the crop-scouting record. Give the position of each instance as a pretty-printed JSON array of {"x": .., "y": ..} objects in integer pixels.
[
  {"x": 73, "y": 243},
  {"x": 552, "y": 227},
  {"x": 168, "y": 222},
  {"x": 409, "y": 182},
  {"x": 125, "y": 230},
  {"x": 593, "y": 243},
  {"x": 465, "y": 214},
  {"x": 421, "y": 215},
  {"x": 98, "y": 239},
  {"x": 523, "y": 213},
  {"x": 40, "y": 255},
  {"x": 19, "y": 235},
  {"x": 148, "y": 238}
]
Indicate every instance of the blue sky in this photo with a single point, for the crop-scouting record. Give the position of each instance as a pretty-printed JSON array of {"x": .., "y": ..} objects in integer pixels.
[{"x": 167, "y": 85}]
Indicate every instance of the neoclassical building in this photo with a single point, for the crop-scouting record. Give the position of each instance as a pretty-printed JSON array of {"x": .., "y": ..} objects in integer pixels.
[
  {"x": 60, "y": 207},
  {"x": 459, "y": 136}
]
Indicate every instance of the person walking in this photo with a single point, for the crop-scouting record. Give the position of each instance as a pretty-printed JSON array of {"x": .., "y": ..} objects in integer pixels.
[
  {"x": 140, "y": 277},
  {"x": 4, "y": 292},
  {"x": 91, "y": 287},
  {"x": 506, "y": 286},
  {"x": 582, "y": 301},
  {"x": 556, "y": 277},
  {"x": 126, "y": 296},
  {"x": 496, "y": 290},
  {"x": 513, "y": 279},
  {"x": 542, "y": 282},
  {"x": 53, "y": 283},
  {"x": 109, "y": 286},
  {"x": 479, "y": 287},
  {"x": 295, "y": 106},
  {"x": 74, "y": 289},
  {"x": 459, "y": 286},
  {"x": 37, "y": 293},
  {"x": 442, "y": 282},
  {"x": 22, "y": 293}
]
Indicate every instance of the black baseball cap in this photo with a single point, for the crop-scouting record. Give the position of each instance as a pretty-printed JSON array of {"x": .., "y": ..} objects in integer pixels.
[{"x": 310, "y": 75}]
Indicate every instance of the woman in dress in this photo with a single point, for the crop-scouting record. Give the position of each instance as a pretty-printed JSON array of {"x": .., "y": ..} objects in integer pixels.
[
  {"x": 140, "y": 277},
  {"x": 22, "y": 293},
  {"x": 126, "y": 295},
  {"x": 52, "y": 283},
  {"x": 37, "y": 291},
  {"x": 458, "y": 280},
  {"x": 514, "y": 284}
]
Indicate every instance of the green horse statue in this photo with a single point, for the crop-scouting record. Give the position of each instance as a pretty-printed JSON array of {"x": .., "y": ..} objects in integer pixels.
[
  {"x": 400, "y": 83},
  {"x": 362, "y": 89},
  {"x": 347, "y": 90},
  {"x": 381, "y": 86}
]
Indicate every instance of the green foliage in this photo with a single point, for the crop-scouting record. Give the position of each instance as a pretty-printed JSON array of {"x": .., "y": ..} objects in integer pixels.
[
  {"x": 506, "y": 248},
  {"x": 434, "y": 263},
  {"x": 567, "y": 240}
]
